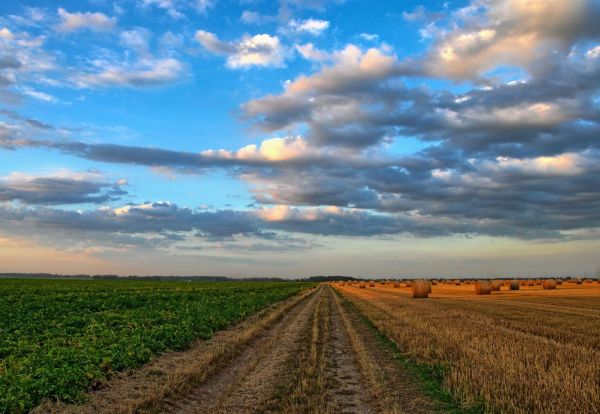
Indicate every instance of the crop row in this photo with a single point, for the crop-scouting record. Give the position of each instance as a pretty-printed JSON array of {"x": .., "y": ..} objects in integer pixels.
[{"x": 58, "y": 338}]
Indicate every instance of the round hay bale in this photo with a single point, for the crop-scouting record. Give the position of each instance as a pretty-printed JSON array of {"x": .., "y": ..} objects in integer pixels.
[
  {"x": 514, "y": 285},
  {"x": 559, "y": 281},
  {"x": 496, "y": 284},
  {"x": 420, "y": 288},
  {"x": 371, "y": 284},
  {"x": 362, "y": 285},
  {"x": 483, "y": 287},
  {"x": 457, "y": 282},
  {"x": 578, "y": 281},
  {"x": 549, "y": 284},
  {"x": 396, "y": 285},
  {"x": 530, "y": 282},
  {"x": 523, "y": 283},
  {"x": 408, "y": 284}
]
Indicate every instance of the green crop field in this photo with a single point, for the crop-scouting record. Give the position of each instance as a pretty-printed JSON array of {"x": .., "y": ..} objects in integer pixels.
[{"x": 59, "y": 337}]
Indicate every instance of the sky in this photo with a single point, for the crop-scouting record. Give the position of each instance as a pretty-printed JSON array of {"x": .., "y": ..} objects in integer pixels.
[{"x": 300, "y": 137}]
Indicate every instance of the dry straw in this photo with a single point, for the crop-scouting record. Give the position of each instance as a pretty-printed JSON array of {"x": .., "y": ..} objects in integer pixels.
[
  {"x": 496, "y": 284},
  {"x": 483, "y": 287},
  {"x": 420, "y": 288}
]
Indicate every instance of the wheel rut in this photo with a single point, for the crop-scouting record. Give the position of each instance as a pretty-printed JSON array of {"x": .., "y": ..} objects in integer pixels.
[
  {"x": 249, "y": 379},
  {"x": 319, "y": 358}
]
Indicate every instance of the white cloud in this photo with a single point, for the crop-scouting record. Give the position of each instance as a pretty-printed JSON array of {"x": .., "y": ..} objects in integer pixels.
[
  {"x": 147, "y": 72},
  {"x": 5, "y": 33},
  {"x": 136, "y": 40},
  {"x": 594, "y": 52},
  {"x": 252, "y": 17},
  {"x": 273, "y": 149},
  {"x": 41, "y": 96},
  {"x": 562, "y": 164},
  {"x": 309, "y": 26},
  {"x": 310, "y": 52},
  {"x": 88, "y": 20},
  {"x": 368, "y": 36},
  {"x": 203, "y": 5},
  {"x": 258, "y": 50},
  {"x": 176, "y": 8},
  {"x": 351, "y": 65}
]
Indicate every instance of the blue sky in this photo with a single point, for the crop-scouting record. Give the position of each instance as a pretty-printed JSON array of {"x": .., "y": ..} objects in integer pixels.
[{"x": 255, "y": 137}]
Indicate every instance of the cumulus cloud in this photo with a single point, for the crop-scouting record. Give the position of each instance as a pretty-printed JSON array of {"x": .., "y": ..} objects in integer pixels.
[
  {"x": 516, "y": 157},
  {"x": 273, "y": 149},
  {"x": 485, "y": 35},
  {"x": 335, "y": 103},
  {"x": 95, "y": 21},
  {"x": 257, "y": 50}
]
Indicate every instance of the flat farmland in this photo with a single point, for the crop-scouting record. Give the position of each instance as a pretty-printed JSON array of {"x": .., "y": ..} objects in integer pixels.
[
  {"x": 60, "y": 338},
  {"x": 86, "y": 347},
  {"x": 523, "y": 351}
]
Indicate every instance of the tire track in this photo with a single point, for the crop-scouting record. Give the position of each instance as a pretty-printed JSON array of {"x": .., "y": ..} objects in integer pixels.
[{"x": 249, "y": 379}]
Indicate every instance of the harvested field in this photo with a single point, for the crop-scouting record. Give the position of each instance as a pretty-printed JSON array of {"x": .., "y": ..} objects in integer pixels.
[{"x": 520, "y": 351}]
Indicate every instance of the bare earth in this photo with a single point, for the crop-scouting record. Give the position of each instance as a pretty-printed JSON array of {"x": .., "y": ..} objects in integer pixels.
[{"x": 310, "y": 354}]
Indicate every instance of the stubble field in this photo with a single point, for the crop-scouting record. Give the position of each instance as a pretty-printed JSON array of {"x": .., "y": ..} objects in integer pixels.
[{"x": 523, "y": 351}]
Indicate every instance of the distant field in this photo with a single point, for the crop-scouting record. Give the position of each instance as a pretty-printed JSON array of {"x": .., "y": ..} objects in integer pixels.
[
  {"x": 530, "y": 350},
  {"x": 59, "y": 337}
]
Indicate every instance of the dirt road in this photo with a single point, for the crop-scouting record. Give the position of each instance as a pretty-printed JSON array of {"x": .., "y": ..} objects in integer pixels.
[
  {"x": 318, "y": 358},
  {"x": 315, "y": 356}
]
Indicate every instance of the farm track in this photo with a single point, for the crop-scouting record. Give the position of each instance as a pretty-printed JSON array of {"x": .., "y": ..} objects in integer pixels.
[
  {"x": 317, "y": 355},
  {"x": 318, "y": 358}
]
